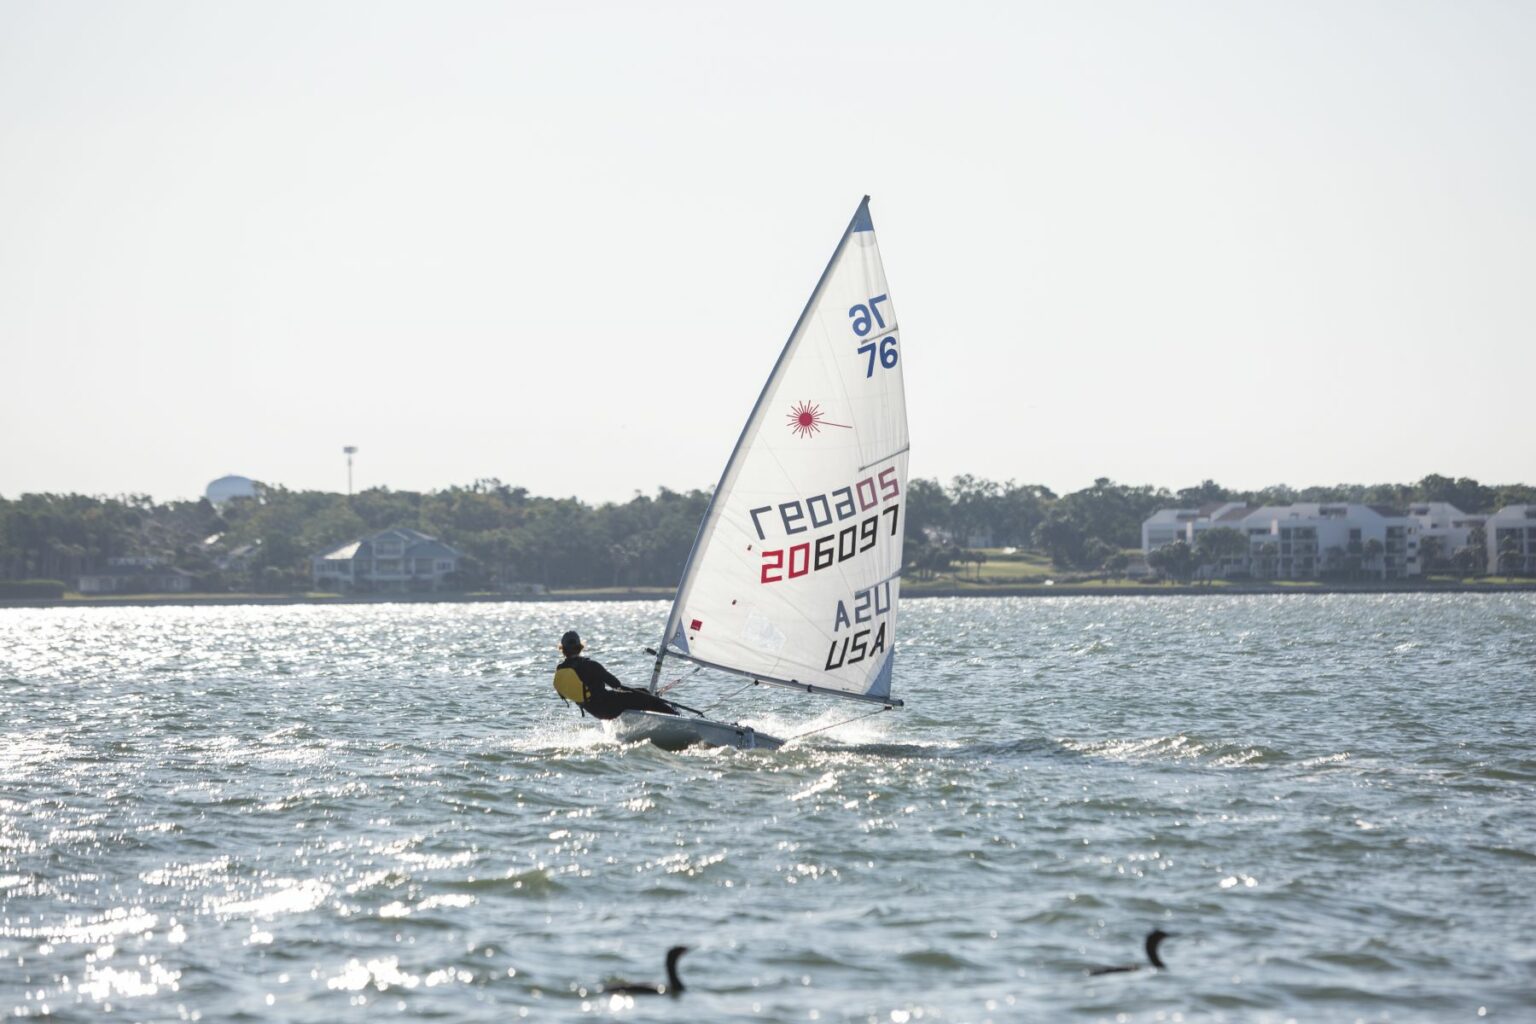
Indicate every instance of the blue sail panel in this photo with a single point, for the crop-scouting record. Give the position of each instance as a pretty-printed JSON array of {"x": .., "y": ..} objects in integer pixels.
[
  {"x": 880, "y": 686},
  {"x": 861, "y": 219}
]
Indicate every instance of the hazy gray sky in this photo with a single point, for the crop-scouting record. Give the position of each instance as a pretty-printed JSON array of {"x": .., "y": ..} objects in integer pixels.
[{"x": 562, "y": 243}]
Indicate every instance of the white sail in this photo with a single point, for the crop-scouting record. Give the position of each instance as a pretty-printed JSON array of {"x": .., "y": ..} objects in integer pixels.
[{"x": 795, "y": 575}]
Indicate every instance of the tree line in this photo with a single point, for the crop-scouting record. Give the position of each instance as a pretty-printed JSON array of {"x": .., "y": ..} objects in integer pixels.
[
  {"x": 509, "y": 535},
  {"x": 265, "y": 542}
]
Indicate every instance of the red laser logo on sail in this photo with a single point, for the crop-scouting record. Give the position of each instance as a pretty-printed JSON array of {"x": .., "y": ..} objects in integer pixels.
[{"x": 805, "y": 419}]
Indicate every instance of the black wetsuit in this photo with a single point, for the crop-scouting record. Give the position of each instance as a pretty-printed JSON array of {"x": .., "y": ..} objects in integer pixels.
[{"x": 606, "y": 696}]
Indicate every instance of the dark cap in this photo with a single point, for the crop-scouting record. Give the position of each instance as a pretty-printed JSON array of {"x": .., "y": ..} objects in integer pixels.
[{"x": 570, "y": 643}]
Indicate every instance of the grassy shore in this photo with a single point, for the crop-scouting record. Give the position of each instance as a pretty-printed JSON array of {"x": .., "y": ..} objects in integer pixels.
[{"x": 1006, "y": 572}]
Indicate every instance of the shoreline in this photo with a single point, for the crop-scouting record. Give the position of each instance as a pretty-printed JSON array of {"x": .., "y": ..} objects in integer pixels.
[{"x": 911, "y": 592}]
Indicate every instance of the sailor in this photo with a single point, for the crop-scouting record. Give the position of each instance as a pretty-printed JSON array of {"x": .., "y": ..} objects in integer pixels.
[{"x": 595, "y": 690}]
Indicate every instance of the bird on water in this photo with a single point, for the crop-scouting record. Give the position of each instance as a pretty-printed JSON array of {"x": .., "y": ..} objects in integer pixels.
[
  {"x": 673, "y": 987},
  {"x": 1154, "y": 939}
]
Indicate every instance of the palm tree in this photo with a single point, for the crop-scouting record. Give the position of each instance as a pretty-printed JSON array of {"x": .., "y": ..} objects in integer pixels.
[
  {"x": 1176, "y": 560},
  {"x": 1477, "y": 541},
  {"x": 1221, "y": 545},
  {"x": 1509, "y": 555},
  {"x": 1333, "y": 560},
  {"x": 1431, "y": 554},
  {"x": 1465, "y": 562},
  {"x": 621, "y": 557},
  {"x": 1373, "y": 550},
  {"x": 1268, "y": 552}
]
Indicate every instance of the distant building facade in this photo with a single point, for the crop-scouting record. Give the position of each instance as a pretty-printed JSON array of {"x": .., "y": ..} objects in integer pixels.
[
  {"x": 400, "y": 560},
  {"x": 135, "y": 576},
  {"x": 236, "y": 559},
  {"x": 1308, "y": 540},
  {"x": 1170, "y": 524},
  {"x": 1511, "y": 533},
  {"x": 1445, "y": 530},
  {"x": 1301, "y": 541}
]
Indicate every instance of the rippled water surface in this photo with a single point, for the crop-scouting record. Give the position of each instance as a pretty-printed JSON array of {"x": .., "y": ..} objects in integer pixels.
[{"x": 322, "y": 814}]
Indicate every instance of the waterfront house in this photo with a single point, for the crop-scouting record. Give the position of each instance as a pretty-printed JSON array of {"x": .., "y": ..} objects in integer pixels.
[
  {"x": 400, "y": 560},
  {"x": 135, "y": 576}
]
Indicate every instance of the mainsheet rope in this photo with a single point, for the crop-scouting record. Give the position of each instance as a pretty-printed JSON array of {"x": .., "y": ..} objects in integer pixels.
[
  {"x": 728, "y": 696},
  {"x": 678, "y": 680},
  {"x": 748, "y": 686},
  {"x": 834, "y": 725}
]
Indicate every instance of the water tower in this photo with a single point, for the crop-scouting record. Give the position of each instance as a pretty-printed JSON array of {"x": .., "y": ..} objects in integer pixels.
[
  {"x": 227, "y": 487},
  {"x": 350, "y": 451}
]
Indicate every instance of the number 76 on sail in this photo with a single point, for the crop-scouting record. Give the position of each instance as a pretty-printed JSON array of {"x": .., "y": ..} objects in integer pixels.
[{"x": 861, "y": 315}]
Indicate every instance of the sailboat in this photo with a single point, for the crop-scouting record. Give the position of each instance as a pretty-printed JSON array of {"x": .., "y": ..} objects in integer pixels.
[{"x": 794, "y": 576}]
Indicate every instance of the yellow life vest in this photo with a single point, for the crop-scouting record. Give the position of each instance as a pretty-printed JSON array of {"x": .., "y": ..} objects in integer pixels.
[{"x": 569, "y": 685}]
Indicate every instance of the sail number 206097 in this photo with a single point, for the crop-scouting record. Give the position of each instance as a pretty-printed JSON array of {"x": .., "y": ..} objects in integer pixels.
[
  {"x": 845, "y": 504},
  {"x": 827, "y": 550},
  {"x": 841, "y": 505},
  {"x": 865, "y": 317}
]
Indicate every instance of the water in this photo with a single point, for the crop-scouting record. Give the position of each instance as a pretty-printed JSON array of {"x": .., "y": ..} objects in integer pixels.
[{"x": 326, "y": 814}]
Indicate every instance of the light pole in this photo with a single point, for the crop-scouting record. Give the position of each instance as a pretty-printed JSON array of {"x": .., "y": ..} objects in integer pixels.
[{"x": 351, "y": 450}]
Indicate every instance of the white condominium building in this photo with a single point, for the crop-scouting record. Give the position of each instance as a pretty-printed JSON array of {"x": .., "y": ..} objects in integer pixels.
[
  {"x": 1444, "y": 530},
  {"x": 1306, "y": 540},
  {"x": 1310, "y": 539},
  {"x": 1511, "y": 535}
]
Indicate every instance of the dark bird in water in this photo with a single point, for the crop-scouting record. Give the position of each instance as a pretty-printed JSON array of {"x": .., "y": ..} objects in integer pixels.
[
  {"x": 1154, "y": 939},
  {"x": 673, "y": 987}
]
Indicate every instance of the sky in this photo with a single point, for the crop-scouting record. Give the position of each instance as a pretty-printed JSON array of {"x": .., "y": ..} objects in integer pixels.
[{"x": 561, "y": 244}]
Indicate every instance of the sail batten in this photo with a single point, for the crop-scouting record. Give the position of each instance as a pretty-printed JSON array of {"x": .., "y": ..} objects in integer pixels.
[
  {"x": 794, "y": 576},
  {"x": 884, "y": 459}
]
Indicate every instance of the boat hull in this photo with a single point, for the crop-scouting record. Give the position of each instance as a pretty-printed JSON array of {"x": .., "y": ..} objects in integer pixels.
[{"x": 674, "y": 732}]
